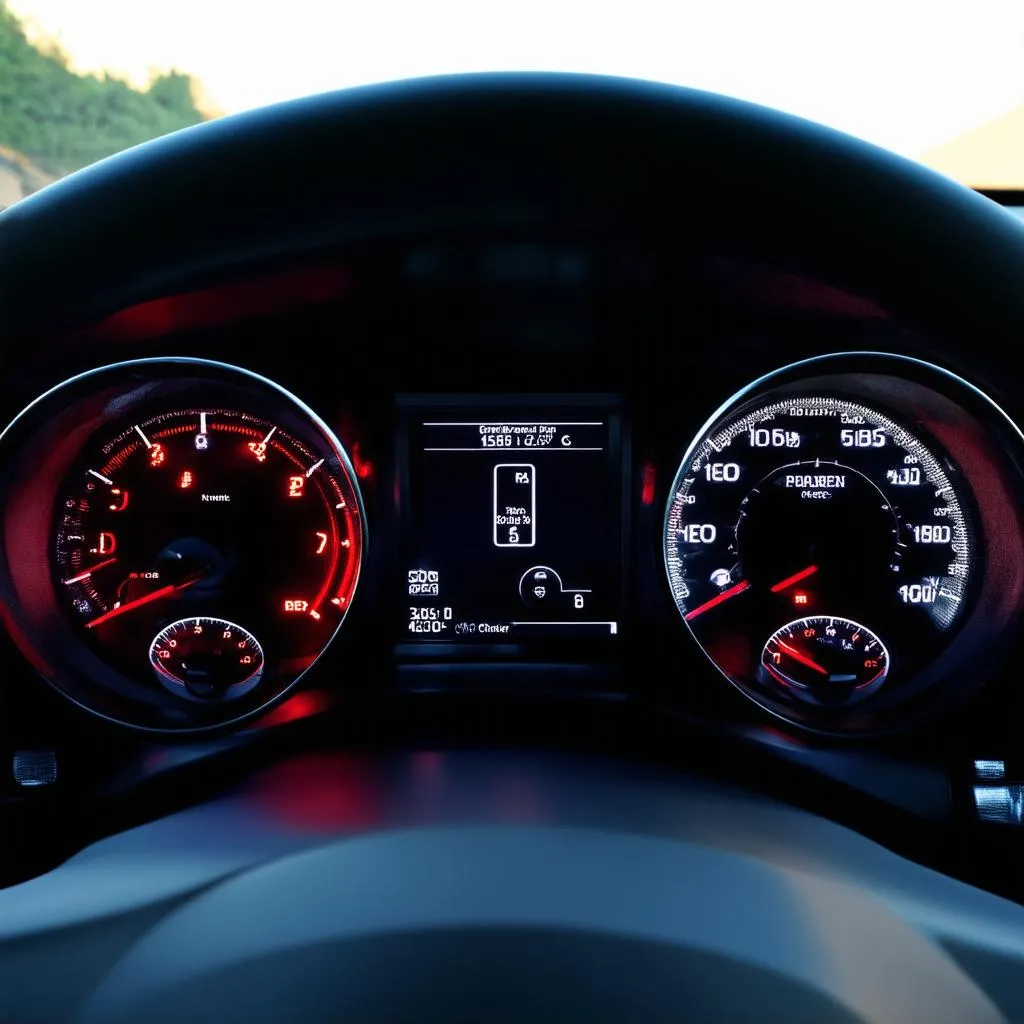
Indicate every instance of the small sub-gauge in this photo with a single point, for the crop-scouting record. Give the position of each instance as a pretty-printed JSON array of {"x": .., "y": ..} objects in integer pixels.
[
  {"x": 826, "y": 660},
  {"x": 207, "y": 658}
]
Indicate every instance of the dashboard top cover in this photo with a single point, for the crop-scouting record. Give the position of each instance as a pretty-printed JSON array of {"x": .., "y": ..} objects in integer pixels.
[{"x": 555, "y": 153}]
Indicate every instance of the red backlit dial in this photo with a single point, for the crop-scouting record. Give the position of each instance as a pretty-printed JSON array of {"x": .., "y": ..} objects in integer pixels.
[
  {"x": 209, "y": 515},
  {"x": 206, "y": 658}
]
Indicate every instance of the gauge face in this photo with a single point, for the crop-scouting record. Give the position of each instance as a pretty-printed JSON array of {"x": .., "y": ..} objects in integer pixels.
[
  {"x": 830, "y": 661},
  {"x": 197, "y": 519},
  {"x": 206, "y": 658},
  {"x": 824, "y": 507}
]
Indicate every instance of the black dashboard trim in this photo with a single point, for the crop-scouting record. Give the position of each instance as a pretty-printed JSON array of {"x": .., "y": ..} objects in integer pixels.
[{"x": 518, "y": 152}]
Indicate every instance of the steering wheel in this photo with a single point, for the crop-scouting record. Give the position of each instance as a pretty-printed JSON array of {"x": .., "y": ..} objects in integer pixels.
[{"x": 642, "y": 895}]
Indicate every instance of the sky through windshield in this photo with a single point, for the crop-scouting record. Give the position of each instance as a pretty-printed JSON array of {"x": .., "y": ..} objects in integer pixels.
[{"x": 942, "y": 83}]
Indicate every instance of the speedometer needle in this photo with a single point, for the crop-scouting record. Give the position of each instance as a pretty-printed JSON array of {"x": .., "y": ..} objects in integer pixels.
[
  {"x": 156, "y": 595},
  {"x": 802, "y": 658},
  {"x": 795, "y": 578},
  {"x": 736, "y": 588}
]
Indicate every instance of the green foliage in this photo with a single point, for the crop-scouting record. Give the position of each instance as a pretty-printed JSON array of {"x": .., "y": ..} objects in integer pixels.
[{"x": 62, "y": 120}]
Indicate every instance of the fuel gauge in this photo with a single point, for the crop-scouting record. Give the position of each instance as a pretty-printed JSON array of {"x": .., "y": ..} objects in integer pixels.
[
  {"x": 826, "y": 660},
  {"x": 206, "y": 658}
]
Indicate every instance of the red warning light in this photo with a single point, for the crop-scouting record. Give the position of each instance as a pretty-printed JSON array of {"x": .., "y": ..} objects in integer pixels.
[
  {"x": 363, "y": 467},
  {"x": 648, "y": 483},
  {"x": 185, "y": 480},
  {"x": 800, "y": 598},
  {"x": 157, "y": 455},
  {"x": 296, "y": 486}
]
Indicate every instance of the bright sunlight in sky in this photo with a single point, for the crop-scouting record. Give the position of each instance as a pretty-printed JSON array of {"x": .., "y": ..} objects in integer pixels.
[{"x": 907, "y": 74}]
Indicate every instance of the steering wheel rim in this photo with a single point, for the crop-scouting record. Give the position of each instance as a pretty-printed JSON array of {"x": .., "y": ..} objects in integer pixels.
[
  {"x": 696, "y": 931},
  {"x": 517, "y": 153}
]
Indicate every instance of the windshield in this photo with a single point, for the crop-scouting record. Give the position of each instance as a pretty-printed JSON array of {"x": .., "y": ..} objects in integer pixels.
[{"x": 81, "y": 79}]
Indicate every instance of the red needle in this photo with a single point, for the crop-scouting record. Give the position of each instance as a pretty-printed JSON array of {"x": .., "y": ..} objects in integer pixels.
[
  {"x": 802, "y": 658},
  {"x": 795, "y": 578},
  {"x": 88, "y": 572},
  {"x": 156, "y": 595},
  {"x": 736, "y": 588}
]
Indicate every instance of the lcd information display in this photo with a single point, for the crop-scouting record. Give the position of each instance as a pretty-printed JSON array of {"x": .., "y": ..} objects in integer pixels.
[{"x": 512, "y": 522}]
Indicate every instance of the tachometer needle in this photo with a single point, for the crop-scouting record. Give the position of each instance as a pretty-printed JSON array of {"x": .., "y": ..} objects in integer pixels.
[
  {"x": 88, "y": 572},
  {"x": 736, "y": 588},
  {"x": 156, "y": 595},
  {"x": 795, "y": 578},
  {"x": 802, "y": 658}
]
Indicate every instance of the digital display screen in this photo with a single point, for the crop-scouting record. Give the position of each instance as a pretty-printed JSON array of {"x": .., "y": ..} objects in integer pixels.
[{"x": 512, "y": 522}]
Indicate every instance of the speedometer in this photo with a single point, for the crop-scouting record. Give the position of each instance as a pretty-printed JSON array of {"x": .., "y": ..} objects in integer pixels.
[
  {"x": 823, "y": 503},
  {"x": 820, "y": 497}
]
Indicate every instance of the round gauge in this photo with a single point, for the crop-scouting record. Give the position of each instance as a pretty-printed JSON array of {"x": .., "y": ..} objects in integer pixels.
[
  {"x": 826, "y": 660},
  {"x": 204, "y": 547},
  {"x": 205, "y": 657},
  {"x": 214, "y": 511},
  {"x": 813, "y": 504}
]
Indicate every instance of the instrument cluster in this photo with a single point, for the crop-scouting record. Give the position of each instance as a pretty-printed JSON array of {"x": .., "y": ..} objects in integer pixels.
[{"x": 183, "y": 539}]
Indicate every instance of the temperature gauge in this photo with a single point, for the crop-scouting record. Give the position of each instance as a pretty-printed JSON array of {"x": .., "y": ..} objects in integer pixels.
[
  {"x": 207, "y": 658},
  {"x": 826, "y": 660}
]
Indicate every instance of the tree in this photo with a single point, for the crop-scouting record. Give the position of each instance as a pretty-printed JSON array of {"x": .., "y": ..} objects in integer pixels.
[{"x": 62, "y": 120}]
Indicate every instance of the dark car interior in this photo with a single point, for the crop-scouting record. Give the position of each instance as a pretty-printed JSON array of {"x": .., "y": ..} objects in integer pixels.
[{"x": 511, "y": 547}]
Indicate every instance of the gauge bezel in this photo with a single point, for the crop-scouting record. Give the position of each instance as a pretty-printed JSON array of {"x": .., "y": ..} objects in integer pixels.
[
  {"x": 177, "y": 686},
  {"x": 38, "y": 450},
  {"x": 866, "y": 688},
  {"x": 986, "y": 446}
]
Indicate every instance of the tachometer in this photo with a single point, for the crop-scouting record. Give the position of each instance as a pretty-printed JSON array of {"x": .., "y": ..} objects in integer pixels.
[
  {"x": 184, "y": 540},
  {"x": 816, "y": 504},
  {"x": 212, "y": 511}
]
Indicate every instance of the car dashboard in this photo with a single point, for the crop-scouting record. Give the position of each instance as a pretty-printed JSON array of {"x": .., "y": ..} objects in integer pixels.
[
  {"x": 524, "y": 496},
  {"x": 721, "y": 490}
]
